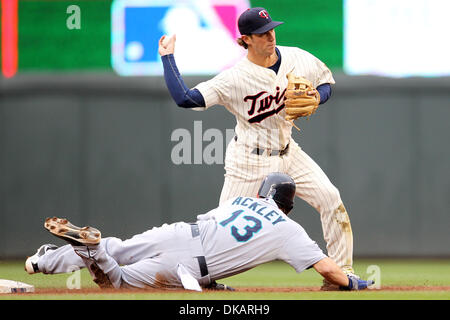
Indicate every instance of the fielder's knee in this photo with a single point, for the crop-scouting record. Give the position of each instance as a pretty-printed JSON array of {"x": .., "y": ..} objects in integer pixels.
[
  {"x": 332, "y": 197},
  {"x": 342, "y": 218}
]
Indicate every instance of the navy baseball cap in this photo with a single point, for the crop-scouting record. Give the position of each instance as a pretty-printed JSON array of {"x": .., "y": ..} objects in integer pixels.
[{"x": 256, "y": 21}]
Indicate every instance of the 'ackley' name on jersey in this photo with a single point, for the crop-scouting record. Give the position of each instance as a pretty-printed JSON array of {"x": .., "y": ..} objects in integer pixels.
[{"x": 272, "y": 215}]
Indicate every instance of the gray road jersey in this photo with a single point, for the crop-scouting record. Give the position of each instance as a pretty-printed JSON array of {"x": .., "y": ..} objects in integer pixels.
[{"x": 245, "y": 232}]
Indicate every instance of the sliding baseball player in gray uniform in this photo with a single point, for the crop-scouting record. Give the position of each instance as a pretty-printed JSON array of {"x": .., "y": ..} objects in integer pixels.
[{"x": 240, "y": 234}]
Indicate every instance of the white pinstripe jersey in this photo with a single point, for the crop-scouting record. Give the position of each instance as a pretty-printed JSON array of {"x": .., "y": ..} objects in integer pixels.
[{"x": 255, "y": 95}]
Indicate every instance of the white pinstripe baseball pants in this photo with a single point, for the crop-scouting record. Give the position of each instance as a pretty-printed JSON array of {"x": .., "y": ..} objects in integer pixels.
[{"x": 245, "y": 172}]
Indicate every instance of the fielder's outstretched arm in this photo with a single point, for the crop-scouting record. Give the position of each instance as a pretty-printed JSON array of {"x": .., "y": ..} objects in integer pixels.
[{"x": 183, "y": 96}]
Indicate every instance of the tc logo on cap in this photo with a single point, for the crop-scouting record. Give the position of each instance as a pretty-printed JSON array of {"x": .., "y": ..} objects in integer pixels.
[{"x": 264, "y": 14}]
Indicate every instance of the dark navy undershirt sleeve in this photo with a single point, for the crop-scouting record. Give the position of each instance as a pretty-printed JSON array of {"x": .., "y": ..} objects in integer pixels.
[
  {"x": 183, "y": 96},
  {"x": 324, "y": 91}
]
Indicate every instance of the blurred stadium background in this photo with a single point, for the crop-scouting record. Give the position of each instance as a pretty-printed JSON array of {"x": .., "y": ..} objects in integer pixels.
[{"x": 86, "y": 121}]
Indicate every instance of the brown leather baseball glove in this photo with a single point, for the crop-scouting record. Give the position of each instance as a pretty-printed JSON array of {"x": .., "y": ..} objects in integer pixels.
[{"x": 302, "y": 99}]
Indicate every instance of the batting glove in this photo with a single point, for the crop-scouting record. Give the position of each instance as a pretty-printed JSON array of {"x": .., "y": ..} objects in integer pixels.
[{"x": 355, "y": 283}]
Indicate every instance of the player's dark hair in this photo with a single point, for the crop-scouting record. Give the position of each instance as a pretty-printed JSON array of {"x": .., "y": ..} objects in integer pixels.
[{"x": 241, "y": 43}]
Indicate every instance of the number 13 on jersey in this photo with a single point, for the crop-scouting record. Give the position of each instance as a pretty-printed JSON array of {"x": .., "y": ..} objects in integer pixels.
[{"x": 242, "y": 235}]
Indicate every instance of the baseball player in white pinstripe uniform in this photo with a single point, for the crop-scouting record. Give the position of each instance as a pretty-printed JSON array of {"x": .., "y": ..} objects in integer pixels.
[{"x": 253, "y": 91}]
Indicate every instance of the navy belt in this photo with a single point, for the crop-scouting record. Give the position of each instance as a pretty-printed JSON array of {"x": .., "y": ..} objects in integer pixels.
[
  {"x": 259, "y": 151},
  {"x": 201, "y": 259}
]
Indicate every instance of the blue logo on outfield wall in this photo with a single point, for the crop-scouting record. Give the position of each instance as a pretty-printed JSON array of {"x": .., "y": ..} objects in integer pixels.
[
  {"x": 206, "y": 32},
  {"x": 141, "y": 30}
]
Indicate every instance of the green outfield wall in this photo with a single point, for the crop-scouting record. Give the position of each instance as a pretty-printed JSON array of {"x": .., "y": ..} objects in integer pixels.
[{"x": 46, "y": 44}]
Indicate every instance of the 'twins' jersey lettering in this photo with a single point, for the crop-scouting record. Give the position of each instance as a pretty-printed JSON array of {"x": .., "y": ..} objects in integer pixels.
[
  {"x": 265, "y": 102},
  {"x": 255, "y": 96}
]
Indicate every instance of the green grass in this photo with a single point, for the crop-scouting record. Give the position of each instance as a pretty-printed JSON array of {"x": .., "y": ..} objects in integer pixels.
[{"x": 392, "y": 273}]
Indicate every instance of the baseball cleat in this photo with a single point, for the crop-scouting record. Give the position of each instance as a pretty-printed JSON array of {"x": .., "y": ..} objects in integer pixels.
[
  {"x": 31, "y": 264},
  {"x": 74, "y": 235}
]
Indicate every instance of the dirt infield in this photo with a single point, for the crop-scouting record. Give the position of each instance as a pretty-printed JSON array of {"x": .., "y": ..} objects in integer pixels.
[
  {"x": 53, "y": 291},
  {"x": 312, "y": 289}
]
